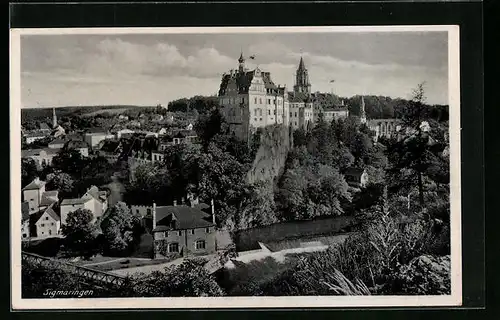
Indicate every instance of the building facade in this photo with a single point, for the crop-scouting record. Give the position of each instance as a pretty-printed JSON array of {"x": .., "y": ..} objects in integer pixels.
[
  {"x": 249, "y": 99},
  {"x": 33, "y": 194},
  {"x": 49, "y": 224}
]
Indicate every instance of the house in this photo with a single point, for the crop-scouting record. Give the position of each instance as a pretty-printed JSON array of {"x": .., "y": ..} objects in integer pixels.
[
  {"x": 78, "y": 145},
  {"x": 71, "y": 205},
  {"x": 186, "y": 230},
  {"x": 335, "y": 113},
  {"x": 33, "y": 194},
  {"x": 34, "y": 136},
  {"x": 94, "y": 200},
  {"x": 356, "y": 177},
  {"x": 45, "y": 128},
  {"x": 25, "y": 220},
  {"x": 93, "y": 138},
  {"x": 100, "y": 200},
  {"x": 48, "y": 199},
  {"x": 58, "y": 131},
  {"x": 162, "y": 131},
  {"x": 42, "y": 157},
  {"x": 189, "y": 127},
  {"x": 110, "y": 149},
  {"x": 49, "y": 224},
  {"x": 57, "y": 143}
]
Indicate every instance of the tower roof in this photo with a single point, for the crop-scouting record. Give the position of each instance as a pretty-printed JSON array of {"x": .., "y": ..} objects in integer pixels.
[
  {"x": 301, "y": 64},
  {"x": 241, "y": 59}
]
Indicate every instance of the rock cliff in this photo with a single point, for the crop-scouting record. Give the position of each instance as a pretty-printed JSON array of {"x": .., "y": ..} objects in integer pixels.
[{"x": 270, "y": 158}]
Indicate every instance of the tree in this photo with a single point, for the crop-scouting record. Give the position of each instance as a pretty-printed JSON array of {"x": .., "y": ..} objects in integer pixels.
[
  {"x": 28, "y": 171},
  {"x": 69, "y": 161},
  {"x": 209, "y": 126},
  {"x": 60, "y": 181},
  {"x": 299, "y": 137},
  {"x": 80, "y": 232},
  {"x": 121, "y": 230},
  {"x": 190, "y": 279}
]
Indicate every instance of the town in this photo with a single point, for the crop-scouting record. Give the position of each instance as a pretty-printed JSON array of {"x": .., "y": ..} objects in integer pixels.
[{"x": 242, "y": 192}]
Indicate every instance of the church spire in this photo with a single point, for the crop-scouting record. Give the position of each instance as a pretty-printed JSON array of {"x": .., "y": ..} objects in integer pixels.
[
  {"x": 302, "y": 84},
  {"x": 54, "y": 118},
  {"x": 301, "y": 64},
  {"x": 362, "y": 112}
]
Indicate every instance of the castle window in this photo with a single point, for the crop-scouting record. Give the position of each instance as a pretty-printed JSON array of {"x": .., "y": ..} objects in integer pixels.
[
  {"x": 274, "y": 112},
  {"x": 255, "y": 119},
  {"x": 255, "y": 100},
  {"x": 260, "y": 112},
  {"x": 260, "y": 119},
  {"x": 268, "y": 101},
  {"x": 207, "y": 230},
  {"x": 290, "y": 114},
  {"x": 166, "y": 234},
  {"x": 192, "y": 231},
  {"x": 260, "y": 100},
  {"x": 255, "y": 111},
  {"x": 268, "y": 112},
  {"x": 180, "y": 233}
]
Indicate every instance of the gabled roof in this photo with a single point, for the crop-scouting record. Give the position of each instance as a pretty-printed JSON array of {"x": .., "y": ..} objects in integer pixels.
[
  {"x": 185, "y": 217},
  {"x": 76, "y": 144},
  {"x": 51, "y": 213},
  {"x": 49, "y": 197},
  {"x": 44, "y": 126},
  {"x": 69, "y": 202},
  {"x": 110, "y": 146},
  {"x": 35, "y": 185}
]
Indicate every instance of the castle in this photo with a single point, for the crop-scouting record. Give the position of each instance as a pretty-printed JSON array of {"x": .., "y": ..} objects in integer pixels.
[{"x": 249, "y": 99}]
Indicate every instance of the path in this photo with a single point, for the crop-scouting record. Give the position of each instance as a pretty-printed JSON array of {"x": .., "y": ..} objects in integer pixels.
[{"x": 146, "y": 269}]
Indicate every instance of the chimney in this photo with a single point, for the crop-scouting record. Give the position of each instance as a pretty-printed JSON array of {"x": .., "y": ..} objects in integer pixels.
[
  {"x": 175, "y": 203},
  {"x": 213, "y": 211},
  {"x": 154, "y": 215}
]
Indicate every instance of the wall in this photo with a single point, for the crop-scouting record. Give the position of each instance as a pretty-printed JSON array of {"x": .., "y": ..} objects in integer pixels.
[
  {"x": 247, "y": 239},
  {"x": 47, "y": 228},
  {"x": 141, "y": 210},
  {"x": 66, "y": 209},
  {"x": 33, "y": 198},
  {"x": 275, "y": 142}
]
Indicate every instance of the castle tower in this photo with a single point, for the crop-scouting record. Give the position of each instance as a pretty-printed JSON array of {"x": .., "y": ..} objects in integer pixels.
[
  {"x": 54, "y": 118},
  {"x": 362, "y": 112},
  {"x": 241, "y": 63},
  {"x": 302, "y": 84}
]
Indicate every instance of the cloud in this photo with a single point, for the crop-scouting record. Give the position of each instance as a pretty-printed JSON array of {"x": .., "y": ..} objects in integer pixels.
[{"x": 64, "y": 69}]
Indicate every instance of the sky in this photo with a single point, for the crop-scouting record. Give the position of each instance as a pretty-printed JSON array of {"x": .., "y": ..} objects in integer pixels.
[{"x": 150, "y": 69}]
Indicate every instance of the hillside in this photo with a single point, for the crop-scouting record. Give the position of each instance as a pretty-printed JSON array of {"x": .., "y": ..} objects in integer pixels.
[{"x": 40, "y": 114}]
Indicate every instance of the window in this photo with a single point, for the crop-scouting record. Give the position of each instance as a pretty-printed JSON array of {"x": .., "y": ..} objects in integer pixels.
[
  {"x": 255, "y": 100},
  {"x": 42, "y": 225},
  {"x": 260, "y": 119},
  {"x": 24, "y": 235},
  {"x": 52, "y": 224},
  {"x": 268, "y": 101},
  {"x": 180, "y": 232},
  {"x": 255, "y": 119},
  {"x": 32, "y": 199},
  {"x": 200, "y": 244},
  {"x": 148, "y": 211},
  {"x": 260, "y": 112},
  {"x": 295, "y": 114},
  {"x": 260, "y": 100},
  {"x": 268, "y": 112},
  {"x": 290, "y": 114},
  {"x": 50, "y": 232},
  {"x": 207, "y": 230},
  {"x": 46, "y": 218},
  {"x": 192, "y": 231},
  {"x": 173, "y": 247},
  {"x": 166, "y": 234},
  {"x": 137, "y": 211},
  {"x": 274, "y": 112},
  {"x": 255, "y": 111}
]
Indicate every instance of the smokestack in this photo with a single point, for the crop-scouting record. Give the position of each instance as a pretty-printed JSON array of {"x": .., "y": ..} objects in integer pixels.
[
  {"x": 175, "y": 203},
  {"x": 213, "y": 210},
  {"x": 154, "y": 215}
]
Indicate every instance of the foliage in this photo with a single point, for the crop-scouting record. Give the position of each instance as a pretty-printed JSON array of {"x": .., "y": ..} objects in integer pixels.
[
  {"x": 69, "y": 161},
  {"x": 199, "y": 103},
  {"x": 189, "y": 279},
  {"x": 258, "y": 207},
  {"x": 60, "y": 181},
  {"x": 210, "y": 125},
  {"x": 28, "y": 171},
  {"x": 121, "y": 229},
  {"x": 80, "y": 232}
]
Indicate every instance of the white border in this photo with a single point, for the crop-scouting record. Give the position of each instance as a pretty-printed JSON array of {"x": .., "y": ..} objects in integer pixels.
[{"x": 455, "y": 299}]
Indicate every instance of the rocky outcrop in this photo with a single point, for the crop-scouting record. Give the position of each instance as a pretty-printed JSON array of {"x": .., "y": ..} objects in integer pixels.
[
  {"x": 275, "y": 142},
  {"x": 426, "y": 275}
]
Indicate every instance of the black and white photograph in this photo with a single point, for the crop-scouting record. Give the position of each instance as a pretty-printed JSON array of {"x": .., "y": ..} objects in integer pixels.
[{"x": 235, "y": 167}]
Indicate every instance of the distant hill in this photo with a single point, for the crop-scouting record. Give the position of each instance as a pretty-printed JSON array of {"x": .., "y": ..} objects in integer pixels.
[{"x": 43, "y": 114}]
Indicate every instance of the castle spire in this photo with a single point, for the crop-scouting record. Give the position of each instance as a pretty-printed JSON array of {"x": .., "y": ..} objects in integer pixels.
[
  {"x": 241, "y": 61},
  {"x": 54, "y": 118}
]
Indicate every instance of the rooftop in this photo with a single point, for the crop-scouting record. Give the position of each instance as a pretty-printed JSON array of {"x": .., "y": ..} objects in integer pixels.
[
  {"x": 51, "y": 213},
  {"x": 69, "y": 202},
  {"x": 36, "y": 184},
  {"x": 184, "y": 216},
  {"x": 36, "y": 152}
]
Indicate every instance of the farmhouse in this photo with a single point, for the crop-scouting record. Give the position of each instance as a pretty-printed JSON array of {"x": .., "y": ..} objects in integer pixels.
[{"x": 49, "y": 224}]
